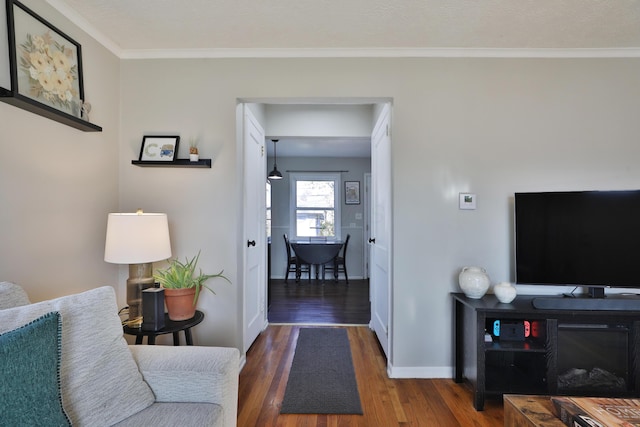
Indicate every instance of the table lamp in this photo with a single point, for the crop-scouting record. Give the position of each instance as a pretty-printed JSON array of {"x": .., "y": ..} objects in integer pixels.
[{"x": 137, "y": 239}]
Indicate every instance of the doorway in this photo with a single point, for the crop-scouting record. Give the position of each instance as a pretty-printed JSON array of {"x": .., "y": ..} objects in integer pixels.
[{"x": 260, "y": 108}]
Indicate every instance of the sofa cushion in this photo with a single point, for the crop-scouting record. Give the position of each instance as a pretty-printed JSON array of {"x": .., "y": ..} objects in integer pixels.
[
  {"x": 29, "y": 372},
  {"x": 101, "y": 384},
  {"x": 177, "y": 414}
]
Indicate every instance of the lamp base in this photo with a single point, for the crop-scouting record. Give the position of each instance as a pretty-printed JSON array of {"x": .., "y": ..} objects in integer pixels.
[{"x": 140, "y": 278}]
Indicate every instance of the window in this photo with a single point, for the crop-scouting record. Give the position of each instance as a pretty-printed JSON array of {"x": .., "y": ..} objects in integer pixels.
[{"x": 315, "y": 205}]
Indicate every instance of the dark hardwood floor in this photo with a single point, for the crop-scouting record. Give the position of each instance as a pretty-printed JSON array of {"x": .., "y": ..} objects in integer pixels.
[
  {"x": 318, "y": 302},
  {"x": 385, "y": 402}
]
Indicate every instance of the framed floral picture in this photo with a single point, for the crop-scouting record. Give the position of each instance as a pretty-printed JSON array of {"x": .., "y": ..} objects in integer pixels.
[
  {"x": 46, "y": 63},
  {"x": 159, "y": 148}
]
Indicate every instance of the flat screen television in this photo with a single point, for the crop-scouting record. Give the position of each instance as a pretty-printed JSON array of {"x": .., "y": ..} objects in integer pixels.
[{"x": 583, "y": 238}]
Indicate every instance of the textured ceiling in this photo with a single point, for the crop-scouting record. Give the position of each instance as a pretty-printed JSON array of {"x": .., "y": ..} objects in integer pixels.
[{"x": 130, "y": 26}]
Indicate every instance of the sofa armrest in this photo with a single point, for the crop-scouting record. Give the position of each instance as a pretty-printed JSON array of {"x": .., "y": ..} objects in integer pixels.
[
  {"x": 12, "y": 295},
  {"x": 192, "y": 374}
]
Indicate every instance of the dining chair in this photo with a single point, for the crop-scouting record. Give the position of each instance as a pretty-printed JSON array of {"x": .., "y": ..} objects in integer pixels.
[
  {"x": 340, "y": 262},
  {"x": 293, "y": 264}
]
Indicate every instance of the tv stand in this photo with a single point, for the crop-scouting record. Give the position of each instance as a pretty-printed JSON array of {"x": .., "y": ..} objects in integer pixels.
[
  {"x": 582, "y": 303},
  {"x": 562, "y": 343}
]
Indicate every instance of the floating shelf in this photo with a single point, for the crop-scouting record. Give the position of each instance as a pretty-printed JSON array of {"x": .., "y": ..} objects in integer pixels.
[
  {"x": 178, "y": 163},
  {"x": 35, "y": 107}
]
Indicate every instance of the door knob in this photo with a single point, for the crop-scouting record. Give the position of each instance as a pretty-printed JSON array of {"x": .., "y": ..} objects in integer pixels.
[
  {"x": 372, "y": 240},
  {"x": 251, "y": 243}
]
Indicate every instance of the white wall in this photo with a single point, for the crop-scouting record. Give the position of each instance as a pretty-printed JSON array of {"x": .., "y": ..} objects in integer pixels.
[
  {"x": 57, "y": 184},
  {"x": 488, "y": 126},
  {"x": 184, "y": 98},
  {"x": 494, "y": 127},
  {"x": 327, "y": 120}
]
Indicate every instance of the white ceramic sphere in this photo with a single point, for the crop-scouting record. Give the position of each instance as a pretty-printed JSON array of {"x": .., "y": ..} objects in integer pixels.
[
  {"x": 474, "y": 282},
  {"x": 505, "y": 292}
]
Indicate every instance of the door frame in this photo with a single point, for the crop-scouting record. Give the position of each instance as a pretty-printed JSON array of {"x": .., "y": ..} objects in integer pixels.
[
  {"x": 241, "y": 102},
  {"x": 382, "y": 250},
  {"x": 367, "y": 226},
  {"x": 252, "y": 327}
]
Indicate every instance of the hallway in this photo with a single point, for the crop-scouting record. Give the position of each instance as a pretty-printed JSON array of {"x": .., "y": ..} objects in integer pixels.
[{"x": 386, "y": 401}]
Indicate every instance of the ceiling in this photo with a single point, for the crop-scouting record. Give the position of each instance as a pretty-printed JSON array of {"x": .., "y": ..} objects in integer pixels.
[
  {"x": 358, "y": 28},
  {"x": 237, "y": 28}
]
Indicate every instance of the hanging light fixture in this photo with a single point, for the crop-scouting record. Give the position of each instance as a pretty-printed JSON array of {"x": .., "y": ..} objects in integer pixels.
[{"x": 275, "y": 173}]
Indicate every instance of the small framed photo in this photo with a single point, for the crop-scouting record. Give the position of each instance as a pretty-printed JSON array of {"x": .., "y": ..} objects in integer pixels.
[
  {"x": 159, "y": 148},
  {"x": 467, "y": 201},
  {"x": 352, "y": 192}
]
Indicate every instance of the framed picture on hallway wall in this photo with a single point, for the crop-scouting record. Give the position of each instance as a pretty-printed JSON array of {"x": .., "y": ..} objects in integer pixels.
[
  {"x": 352, "y": 192},
  {"x": 46, "y": 64}
]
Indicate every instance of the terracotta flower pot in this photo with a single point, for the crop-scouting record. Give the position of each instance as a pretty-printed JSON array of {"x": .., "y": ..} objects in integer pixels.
[{"x": 179, "y": 303}]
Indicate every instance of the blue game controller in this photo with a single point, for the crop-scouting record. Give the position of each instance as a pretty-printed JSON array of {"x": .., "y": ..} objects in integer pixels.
[{"x": 496, "y": 328}]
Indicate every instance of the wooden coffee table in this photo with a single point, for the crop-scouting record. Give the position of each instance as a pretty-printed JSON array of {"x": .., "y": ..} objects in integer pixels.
[{"x": 529, "y": 411}]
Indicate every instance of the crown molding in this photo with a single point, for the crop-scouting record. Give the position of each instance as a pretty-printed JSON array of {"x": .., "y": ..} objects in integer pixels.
[
  {"x": 62, "y": 7},
  {"x": 400, "y": 52},
  {"x": 381, "y": 53}
]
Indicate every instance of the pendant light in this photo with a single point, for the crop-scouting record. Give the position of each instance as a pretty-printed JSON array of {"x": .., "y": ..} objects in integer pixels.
[{"x": 275, "y": 173}]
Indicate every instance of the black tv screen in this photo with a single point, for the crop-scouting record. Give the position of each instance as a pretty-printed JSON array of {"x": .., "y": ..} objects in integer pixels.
[{"x": 588, "y": 238}]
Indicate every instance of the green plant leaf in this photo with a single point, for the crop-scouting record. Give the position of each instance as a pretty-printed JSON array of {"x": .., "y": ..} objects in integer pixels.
[{"x": 180, "y": 275}]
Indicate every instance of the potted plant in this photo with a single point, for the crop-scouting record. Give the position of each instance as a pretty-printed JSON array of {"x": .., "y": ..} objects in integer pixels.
[
  {"x": 182, "y": 286},
  {"x": 193, "y": 150}
]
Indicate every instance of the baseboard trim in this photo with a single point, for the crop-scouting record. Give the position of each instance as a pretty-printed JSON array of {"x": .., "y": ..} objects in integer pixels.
[
  {"x": 423, "y": 372},
  {"x": 328, "y": 325}
]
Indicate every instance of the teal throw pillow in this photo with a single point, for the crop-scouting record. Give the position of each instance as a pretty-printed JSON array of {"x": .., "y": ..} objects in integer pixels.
[{"x": 30, "y": 374}]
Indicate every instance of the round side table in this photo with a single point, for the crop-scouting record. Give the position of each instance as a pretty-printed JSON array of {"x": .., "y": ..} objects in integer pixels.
[{"x": 170, "y": 327}]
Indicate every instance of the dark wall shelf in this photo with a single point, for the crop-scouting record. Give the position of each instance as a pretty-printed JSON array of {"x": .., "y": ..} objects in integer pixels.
[
  {"x": 35, "y": 107},
  {"x": 178, "y": 163}
]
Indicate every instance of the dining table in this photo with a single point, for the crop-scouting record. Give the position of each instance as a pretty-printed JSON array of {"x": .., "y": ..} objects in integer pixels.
[{"x": 316, "y": 252}]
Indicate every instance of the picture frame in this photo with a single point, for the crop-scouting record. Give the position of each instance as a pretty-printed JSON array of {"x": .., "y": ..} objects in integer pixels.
[
  {"x": 45, "y": 63},
  {"x": 352, "y": 192},
  {"x": 159, "y": 148}
]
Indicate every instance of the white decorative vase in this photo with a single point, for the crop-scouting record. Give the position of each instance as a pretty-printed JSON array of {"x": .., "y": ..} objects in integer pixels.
[
  {"x": 194, "y": 157},
  {"x": 474, "y": 282},
  {"x": 505, "y": 292}
]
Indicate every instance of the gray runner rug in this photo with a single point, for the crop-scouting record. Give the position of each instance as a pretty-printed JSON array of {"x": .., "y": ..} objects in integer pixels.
[{"x": 322, "y": 379}]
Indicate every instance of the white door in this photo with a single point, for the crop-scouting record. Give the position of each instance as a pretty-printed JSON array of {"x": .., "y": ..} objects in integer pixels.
[
  {"x": 254, "y": 239},
  {"x": 367, "y": 225},
  {"x": 380, "y": 240}
]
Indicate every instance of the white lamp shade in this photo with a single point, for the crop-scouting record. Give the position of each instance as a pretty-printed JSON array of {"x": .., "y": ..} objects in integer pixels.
[{"x": 137, "y": 238}]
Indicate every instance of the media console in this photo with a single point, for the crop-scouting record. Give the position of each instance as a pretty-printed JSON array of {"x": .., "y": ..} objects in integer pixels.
[{"x": 551, "y": 350}]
